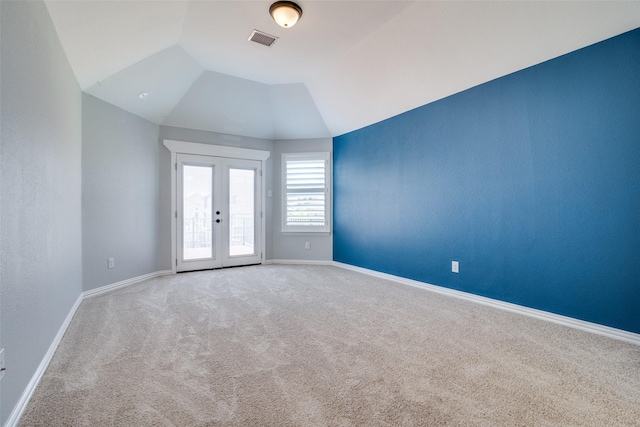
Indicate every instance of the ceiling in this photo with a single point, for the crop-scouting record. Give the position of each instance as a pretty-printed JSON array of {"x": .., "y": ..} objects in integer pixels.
[{"x": 345, "y": 65}]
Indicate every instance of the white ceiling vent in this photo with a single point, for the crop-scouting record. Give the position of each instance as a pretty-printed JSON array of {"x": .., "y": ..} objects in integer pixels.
[{"x": 262, "y": 38}]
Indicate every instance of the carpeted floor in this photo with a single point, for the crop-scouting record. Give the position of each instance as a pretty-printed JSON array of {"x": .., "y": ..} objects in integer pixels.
[{"x": 323, "y": 346}]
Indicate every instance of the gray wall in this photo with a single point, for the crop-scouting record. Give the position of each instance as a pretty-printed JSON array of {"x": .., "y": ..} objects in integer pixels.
[
  {"x": 292, "y": 246},
  {"x": 82, "y": 181},
  {"x": 40, "y": 225},
  {"x": 205, "y": 137},
  {"x": 120, "y": 216}
]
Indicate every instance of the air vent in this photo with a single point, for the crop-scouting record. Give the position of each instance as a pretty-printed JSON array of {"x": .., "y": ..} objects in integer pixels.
[{"x": 262, "y": 38}]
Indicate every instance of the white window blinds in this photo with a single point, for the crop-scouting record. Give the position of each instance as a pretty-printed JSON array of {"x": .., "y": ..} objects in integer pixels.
[{"x": 306, "y": 192}]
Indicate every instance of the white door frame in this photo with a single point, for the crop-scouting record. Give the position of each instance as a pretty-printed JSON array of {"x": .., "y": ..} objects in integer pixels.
[
  {"x": 215, "y": 164},
  {"x": 229, "y": 260},
  {"x": 184, "y": 147}
]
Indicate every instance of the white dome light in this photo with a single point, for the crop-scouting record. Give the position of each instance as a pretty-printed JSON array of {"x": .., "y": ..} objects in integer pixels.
[{"x": 285, "y": 13}]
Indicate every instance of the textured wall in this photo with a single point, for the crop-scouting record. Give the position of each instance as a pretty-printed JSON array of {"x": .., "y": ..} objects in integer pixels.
[
  {"x": 531, "y": 182},
  {"x": 120, "y": 202},
  {"x": 292, "y": 246},
  {"x": 40, "y": 226},
  {"x": 205, "y": 137}
]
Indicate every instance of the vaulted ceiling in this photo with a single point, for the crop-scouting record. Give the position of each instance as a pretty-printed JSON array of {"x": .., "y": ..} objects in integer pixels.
[{"x": 345, "y": 65}]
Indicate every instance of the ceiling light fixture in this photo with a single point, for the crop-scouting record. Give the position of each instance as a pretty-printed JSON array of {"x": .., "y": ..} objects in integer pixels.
[
  {"x": 285, "y": 13},
  {"x": 143, "y": 95}
]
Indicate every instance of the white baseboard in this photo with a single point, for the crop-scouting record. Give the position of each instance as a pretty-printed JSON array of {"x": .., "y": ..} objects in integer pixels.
[
  {"x": 31, "y": 387},
  {"x": 298, "y": 262},
  {"x": 594, "y": 328},
  {"x": 128, "y": 282},
  {"x": 14, "y": 418}
]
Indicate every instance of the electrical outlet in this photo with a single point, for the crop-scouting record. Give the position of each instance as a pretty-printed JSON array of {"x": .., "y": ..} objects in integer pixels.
[
  {"x": 2, "y": 367},
  {"x": 307, "y": 245},
  {"x": 455, "y": 267},
  {"x": 112, "y": 262}
]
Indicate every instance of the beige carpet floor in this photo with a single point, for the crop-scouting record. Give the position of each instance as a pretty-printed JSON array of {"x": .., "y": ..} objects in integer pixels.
[{"x": 323, "y": 346}]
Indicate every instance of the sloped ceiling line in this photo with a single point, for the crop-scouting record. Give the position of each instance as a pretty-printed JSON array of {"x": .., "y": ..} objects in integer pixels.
[{"x": 330, "y": 74}]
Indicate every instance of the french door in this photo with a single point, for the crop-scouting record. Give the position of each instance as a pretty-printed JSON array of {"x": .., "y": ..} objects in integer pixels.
[{"x": 218, "y": 213}]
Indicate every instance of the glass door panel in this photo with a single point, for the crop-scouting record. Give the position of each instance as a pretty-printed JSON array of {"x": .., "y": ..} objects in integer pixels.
[
  {"x": 218, "y": 212},
  {"x": 241, "y": 212},
  {"x": 197, "y": 238},
  {"x": 198, "y": 218},
  {"x": 243, "y": 187}
]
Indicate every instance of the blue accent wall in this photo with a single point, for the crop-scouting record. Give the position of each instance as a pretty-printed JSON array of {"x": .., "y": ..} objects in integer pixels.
[{"x": 530, "y": 181}]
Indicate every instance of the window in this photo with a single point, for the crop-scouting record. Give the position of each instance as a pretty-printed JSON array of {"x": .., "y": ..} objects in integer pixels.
[{"x": 305, "y": 193}]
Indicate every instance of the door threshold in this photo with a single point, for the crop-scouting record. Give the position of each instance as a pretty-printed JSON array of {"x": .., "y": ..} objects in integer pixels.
[{"x": 218, "y": 268}]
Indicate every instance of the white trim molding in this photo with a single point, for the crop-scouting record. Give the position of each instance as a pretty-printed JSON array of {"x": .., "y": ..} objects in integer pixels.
[
  {"x": 216, "y": 150},
  {"x": 298, "y": 262},
  {"x": 108, "y": 288},
  {"x": 583, "y": 325},
  {"x": 18, "y": 410},
  {"x": 183, "y": 147}
]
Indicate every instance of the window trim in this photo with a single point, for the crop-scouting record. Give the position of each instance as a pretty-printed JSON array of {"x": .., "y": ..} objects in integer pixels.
[{"x": 302, "y": 229}]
